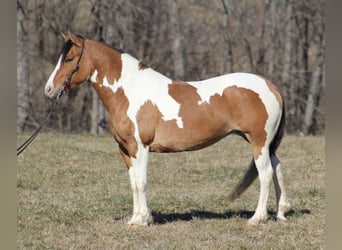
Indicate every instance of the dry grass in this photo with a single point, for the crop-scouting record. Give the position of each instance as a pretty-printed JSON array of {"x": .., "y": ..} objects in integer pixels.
[{"x": 74, "y": 193}]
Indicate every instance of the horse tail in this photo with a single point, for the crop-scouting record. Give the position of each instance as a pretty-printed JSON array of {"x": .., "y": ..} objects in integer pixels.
[
  {"x": 252, "y": 172},
  {"x": 280, "y": 132},
  {"x": 246, "y": 181}
]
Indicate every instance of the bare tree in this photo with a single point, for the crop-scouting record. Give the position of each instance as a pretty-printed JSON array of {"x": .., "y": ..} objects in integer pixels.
[
  {"x": 177, "y": 40},
  {"x": 271, "y": 26},
  {"x": 23, "y": 101},
  {"x": 316, "y": 81},
  {"x": 227, "y": 35},
  {"x": 287, "y": 48}
]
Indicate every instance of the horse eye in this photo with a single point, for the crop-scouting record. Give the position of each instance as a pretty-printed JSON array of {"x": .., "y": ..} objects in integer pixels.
[{"x": 69, "y": 60}]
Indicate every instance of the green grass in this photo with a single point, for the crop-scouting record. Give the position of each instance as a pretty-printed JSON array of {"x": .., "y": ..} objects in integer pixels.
[{"x": 73, "y": 192}]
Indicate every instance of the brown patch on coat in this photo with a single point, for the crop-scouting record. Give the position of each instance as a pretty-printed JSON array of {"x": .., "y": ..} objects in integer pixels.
[
  {"x": 249, "y": 115},
  {"x": 148, "y": 118},
  {"x": 125, "y": 156},
  {"x": 120, "y": 125},
  {"x": 110, "y": 68},
  {"x": 237, "y": 110}
]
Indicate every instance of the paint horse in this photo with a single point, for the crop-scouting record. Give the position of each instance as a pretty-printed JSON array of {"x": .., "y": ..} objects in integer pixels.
[{"x": 149, "y": 112}]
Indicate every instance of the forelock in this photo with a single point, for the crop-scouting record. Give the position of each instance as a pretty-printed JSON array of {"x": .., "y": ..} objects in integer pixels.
[{"x": 66, "y": 47}]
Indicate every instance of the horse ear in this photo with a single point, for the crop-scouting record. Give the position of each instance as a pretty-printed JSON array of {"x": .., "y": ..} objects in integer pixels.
[
  {"x": 65, "y": 36},
  {"x": 75, "y": 39}
]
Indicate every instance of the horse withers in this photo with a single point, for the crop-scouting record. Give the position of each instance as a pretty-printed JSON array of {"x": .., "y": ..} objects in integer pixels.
[{"x": 149, "y": 112}]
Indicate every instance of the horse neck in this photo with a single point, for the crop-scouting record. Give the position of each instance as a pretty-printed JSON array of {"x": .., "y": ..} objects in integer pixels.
[
  {"x": 106, "y": 62},
  {"x": 117, "y": 66},
  {"x": 112, "y": 69}
]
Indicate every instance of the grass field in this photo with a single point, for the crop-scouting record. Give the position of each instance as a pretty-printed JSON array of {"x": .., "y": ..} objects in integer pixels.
[{"x": 73, "y": 192}]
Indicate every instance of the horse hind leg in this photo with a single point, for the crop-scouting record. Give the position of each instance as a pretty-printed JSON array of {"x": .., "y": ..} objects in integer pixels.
[
  {"x": 265, "y": 173},
  {"x": 282, "y": 202}
]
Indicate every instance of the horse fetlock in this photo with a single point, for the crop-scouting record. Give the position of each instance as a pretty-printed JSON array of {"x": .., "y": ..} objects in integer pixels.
[
  {"x": 281, "y": 217},
  {"x": 283, "y": 208}
]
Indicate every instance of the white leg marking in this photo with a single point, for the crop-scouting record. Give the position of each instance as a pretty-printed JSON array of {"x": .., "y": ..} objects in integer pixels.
[
  {"x": 282, "y": 202},
  {"x": 265, "y": 172},
  {"x": 138, "y": 178},
  {"x": 135, "y": 193}
]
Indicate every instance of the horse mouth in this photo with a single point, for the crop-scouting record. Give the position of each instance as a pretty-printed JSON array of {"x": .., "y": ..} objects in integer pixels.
[{"x": 51, "y": 93}]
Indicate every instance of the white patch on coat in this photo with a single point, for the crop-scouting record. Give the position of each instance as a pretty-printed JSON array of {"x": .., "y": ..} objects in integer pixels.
[
  {"x": 93, "y": 77},
  {"x": 147, "y": 85},
  {"x": 216, "y": 85},
  {"x": 141, "y": 86}
]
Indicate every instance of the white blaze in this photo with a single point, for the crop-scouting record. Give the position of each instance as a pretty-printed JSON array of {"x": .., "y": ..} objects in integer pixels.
[{"x": 49, "y": 86}]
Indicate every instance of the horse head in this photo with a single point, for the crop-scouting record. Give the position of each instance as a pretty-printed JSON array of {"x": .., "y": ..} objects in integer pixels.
[{"x": 72, "y": 67}]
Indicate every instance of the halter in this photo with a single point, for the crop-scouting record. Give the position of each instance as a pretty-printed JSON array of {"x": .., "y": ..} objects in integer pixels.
[
  {"x": 67, "y": 82},
  {"x": 53, "y": 105}
]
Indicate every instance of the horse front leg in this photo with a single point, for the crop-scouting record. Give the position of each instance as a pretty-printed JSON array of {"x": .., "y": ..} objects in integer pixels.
[{"x": 138, "y": 178}]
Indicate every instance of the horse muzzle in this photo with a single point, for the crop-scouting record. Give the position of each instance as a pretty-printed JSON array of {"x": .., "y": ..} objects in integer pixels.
[
  {"x": 55, "y": 94},
  {"x": 50, "y": 92}
]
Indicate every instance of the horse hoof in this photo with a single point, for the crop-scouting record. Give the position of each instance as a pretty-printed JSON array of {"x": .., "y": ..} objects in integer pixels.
[
  {"x": 281, "y": 218},
  {"x": 133, "y": 226},
  {"x": 252, "y": 224}
]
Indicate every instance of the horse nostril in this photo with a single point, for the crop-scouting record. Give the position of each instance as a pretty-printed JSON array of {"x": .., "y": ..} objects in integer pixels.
[{"x": 49, "y": 91}]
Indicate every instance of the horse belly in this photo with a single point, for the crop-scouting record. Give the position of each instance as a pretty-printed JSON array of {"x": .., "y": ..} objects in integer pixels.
[{"x": 170, "y": 138}]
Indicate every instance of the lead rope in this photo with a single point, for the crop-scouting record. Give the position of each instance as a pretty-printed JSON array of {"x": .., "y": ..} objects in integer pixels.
[{"x": 36, "y": 132}]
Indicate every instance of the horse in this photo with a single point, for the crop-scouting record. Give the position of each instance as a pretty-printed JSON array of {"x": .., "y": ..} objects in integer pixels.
[{"x": 149, "y": 112}]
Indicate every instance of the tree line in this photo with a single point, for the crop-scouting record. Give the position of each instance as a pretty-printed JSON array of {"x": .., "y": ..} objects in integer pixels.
[{"x": 183, "y": 39}]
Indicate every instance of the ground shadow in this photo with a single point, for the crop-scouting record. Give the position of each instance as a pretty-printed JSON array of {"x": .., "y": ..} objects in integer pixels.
[
  {"x": 163, "y": 218},
  {"x": 297, "y": 213}
]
